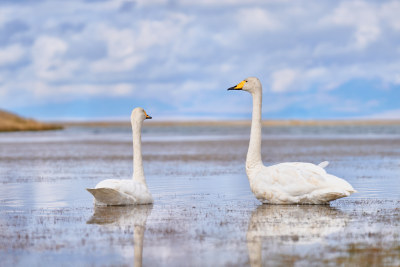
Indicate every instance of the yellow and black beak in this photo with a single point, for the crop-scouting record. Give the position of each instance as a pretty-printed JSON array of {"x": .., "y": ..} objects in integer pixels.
[
  {"x": 239, "y": 86},
  {"x": 147, "y": 116}
]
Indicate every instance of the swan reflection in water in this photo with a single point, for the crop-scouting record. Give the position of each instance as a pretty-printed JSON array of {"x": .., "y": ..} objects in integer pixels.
[
  {"x": 291, "y": 225},
  {"x": 125, "y": 216}
]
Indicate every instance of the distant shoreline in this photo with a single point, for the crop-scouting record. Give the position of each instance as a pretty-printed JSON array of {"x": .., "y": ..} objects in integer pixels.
[
  {"x": 10, "y": 122},
  {"x": 31, "y": 128},
  {"x": 236, "y": 123}
]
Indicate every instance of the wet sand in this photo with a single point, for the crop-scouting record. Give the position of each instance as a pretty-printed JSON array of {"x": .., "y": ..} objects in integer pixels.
[{"x": 204, "y": 213}]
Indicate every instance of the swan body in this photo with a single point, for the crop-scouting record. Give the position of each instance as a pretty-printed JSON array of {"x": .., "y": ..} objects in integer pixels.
[
  {"x": 112, "y": 192},
  {"x": 297, "y": 183},
  {"x": 289, "y": 182}
]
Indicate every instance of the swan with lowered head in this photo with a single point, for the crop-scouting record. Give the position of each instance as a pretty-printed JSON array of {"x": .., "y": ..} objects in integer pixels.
[
  {"x": 289, "y": 182},
  {"x": 127, "y": 192}
]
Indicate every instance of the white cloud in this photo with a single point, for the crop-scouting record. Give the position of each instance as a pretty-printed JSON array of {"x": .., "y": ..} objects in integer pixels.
[
  {"x": 389, "y": 114},
  {"x": 212, "y": 3},
  {"x": 149, "y": 2},
  {"x": 256, "y": 19},
  {"x": 11, "y": 54},
  {"x": 359, "y": 15},
  {"x": 128, "y": 47},
  {"x": 283, "y": 79},
  {"x": 49, "y": 47},
  {"x": 43, "y": 90},
  {"x": 116, "y": 4},
  {"x": 390, "y": 13},
  {"x": 178, "y": 55},
  {"x": 6, "y": 13},
  {"x": 121, "y": 43},
  {"x": 19, "y": 94},
  {"x": 121, "y": 47},
  {"x": 48, "y": 58},
  {"x": 162, "y": 32}
]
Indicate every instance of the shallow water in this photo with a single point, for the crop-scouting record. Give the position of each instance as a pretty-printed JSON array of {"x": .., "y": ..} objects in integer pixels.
[{"x": 204, "y": 212}]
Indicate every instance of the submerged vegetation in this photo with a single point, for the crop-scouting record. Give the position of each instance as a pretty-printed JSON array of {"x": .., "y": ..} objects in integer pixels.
[{"x": 10, "y": 122}]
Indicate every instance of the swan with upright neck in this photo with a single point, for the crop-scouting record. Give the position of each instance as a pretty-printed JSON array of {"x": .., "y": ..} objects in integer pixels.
[
  {"x": 112, "y": 192},
  {"x": 289, "y": 182}
]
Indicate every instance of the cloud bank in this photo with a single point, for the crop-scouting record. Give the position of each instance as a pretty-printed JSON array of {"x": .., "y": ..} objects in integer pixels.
[{"x": 316, "y": 59}]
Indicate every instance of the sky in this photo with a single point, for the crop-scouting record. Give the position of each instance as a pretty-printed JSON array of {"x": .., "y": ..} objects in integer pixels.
[{"x": 98, "y": 59}]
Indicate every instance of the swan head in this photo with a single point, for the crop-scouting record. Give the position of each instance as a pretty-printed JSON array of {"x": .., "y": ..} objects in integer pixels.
[
  {"x": 138, "y": 114},
  {"x": 250, "y": 84}
]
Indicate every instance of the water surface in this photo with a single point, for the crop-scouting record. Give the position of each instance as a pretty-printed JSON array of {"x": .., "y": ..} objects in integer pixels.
[{"x": 204, "y": 212}]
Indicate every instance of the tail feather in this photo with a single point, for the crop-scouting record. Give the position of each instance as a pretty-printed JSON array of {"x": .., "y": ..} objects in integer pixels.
[
  {"x": 110, "y": 197},
  {"x": 323, "y": 164},
  {"x": 325, "y": 196}
]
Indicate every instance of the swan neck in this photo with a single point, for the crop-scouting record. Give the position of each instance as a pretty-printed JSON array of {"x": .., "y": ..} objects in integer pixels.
[
  {"x": 254, "y": 153},
  {"x": 138, "y": 172}
]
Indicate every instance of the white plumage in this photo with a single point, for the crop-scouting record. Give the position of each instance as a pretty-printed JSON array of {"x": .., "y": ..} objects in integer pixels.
[
  {"x": 290, "y": 182},
  {"x": 113, "y": 192},
  {"x": 127, "y": 192}
]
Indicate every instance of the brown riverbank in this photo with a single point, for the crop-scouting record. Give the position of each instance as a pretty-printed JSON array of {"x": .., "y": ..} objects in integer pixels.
[{"x": 10, "y": 122}]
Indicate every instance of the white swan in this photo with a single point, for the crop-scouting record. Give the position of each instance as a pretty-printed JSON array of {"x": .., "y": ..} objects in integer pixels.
[
  {"x": 289, "y": 182},
  {"x": 127, "y": 192}
]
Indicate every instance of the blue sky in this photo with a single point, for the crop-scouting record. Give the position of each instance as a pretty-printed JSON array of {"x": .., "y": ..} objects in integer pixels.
[{"x": 98, "y": 59}]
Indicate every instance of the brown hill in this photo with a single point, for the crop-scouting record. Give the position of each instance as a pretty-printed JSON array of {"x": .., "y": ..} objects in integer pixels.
[{"x": 10, "y": 122}]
